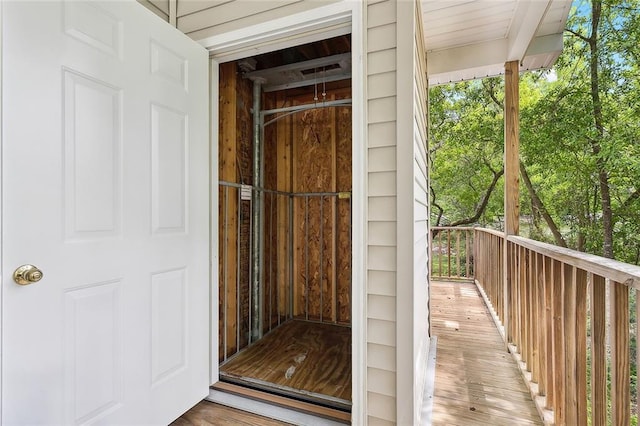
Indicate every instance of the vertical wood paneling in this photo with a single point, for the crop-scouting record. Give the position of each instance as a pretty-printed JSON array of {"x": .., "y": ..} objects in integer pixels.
[{"x": 228, "y": 210}]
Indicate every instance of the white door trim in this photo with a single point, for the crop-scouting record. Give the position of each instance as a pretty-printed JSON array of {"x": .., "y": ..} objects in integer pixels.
[
  {"x": 1, "y": 209},
  {"x": 317, "y": 24}
]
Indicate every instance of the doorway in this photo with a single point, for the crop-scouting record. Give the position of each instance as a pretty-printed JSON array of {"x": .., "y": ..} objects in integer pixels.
[{"x": 285, "y": 219}]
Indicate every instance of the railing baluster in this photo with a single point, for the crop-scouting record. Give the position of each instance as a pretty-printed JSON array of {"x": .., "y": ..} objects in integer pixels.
[
  {"x": 549, "y": 327},
  {"x": 534, "y": 317},
  {"x": 569, "y": 284},
  {"x": 581, "y": 346},
  {"x": 449, "y": 252},
  {"x": 458, "y": 274},
  {"x": 558, "y": 343},
  {"x": 541, "y": 325},
  {"x": 620, "y": 388},
  {"x": 598, "y": 351}
]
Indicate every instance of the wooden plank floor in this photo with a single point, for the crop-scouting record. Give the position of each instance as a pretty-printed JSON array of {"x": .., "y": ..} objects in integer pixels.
[
  {"x": 207, "y": 413},
  {"x": 303, "y": 358},
  {"x": 477, "y": 380}
]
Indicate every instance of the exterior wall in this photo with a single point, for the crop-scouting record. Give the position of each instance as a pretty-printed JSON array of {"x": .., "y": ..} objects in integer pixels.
[
  {"x": 397, "y": 289},
  {"x": 397, "y": 207},
  {"x": 201, "y": 19},
  {"x": 382, "y": 212}
]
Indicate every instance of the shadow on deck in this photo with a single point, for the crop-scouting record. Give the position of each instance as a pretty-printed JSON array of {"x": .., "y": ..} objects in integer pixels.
[{"x": 477, "y": 380}]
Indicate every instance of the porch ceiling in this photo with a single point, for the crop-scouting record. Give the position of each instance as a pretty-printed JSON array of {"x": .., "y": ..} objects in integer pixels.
[{"x": 469, "y": 39}]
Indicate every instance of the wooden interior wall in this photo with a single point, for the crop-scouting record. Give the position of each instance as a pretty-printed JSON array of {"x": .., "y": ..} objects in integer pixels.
[
  {"x": 310, "y": 152},
  {"x": 235, "y": 136}
]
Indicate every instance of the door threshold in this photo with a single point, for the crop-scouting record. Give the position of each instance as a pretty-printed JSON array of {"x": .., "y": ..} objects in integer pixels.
[
  {"x": 288, "y": 392},
  {"x": 275, "y": 406}
]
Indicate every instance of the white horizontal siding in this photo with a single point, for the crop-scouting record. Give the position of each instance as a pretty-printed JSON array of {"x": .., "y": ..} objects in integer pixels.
[
  {"x": 382, "y": 258},
  {"x": 382, "y": 212},
  {"x": 380, "y": 379},
  {"x": 383, "y": 283},
  {"x": 382, "y": 110},
  {"x": 381, "y": 332},
  {"x": 382, "y": 134},
  {"x": 210, "y": 18},
  {"x": 380, "y": 61},
  {"x": 382, "y": 409},
  {"x": 159, "y": 7},
  {"x": 381, "y": 307},
  {"x": 382, "y": 85},
  {"x": 227, "y": 15},
  {"x": 382, "y": 158},
  {"x": 375, "y": 421},
  {"x": 382, "y": 233},
  {"x": 382, "y": 183},
  {"x": 420, "y": 211},
  {"x": 380, "y": 356}
]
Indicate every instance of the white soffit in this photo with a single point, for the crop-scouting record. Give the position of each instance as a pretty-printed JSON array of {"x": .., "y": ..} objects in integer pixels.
[{"x": 469, "y": 39}]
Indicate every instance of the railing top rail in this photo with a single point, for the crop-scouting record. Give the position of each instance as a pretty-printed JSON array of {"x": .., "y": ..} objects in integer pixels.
[
  {"x": 459, "y": 228},
  {"x": 623, "y": 273},
  {"x": 491, "y": 231}
]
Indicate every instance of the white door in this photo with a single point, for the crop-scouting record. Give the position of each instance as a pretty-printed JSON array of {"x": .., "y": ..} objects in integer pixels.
[{"x": 105, "y": 190}]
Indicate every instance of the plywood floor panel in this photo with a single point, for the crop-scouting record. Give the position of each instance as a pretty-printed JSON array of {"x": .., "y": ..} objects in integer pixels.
[
  {"x": 310, "y": 358},
  {"x": 477, "y": 381}
]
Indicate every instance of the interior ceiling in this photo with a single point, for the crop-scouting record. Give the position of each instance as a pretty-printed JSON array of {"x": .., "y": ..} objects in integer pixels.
[
  {"x": 305, "y": 52},
  {"x": 465, "y": 39}
]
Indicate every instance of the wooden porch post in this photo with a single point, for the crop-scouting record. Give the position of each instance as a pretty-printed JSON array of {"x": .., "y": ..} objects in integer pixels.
[
  {"x": 511, "y": 178},
  {"x": 511, "y": 148}
]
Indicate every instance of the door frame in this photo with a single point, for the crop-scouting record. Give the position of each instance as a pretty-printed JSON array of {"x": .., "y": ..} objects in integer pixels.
[
  {"x": 319, "y": 23},
  {"x": 2, "y": 284}
]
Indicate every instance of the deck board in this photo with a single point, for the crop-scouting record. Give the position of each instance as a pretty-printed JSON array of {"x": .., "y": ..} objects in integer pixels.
[
  {"x": 477, "y": 381},
  {"x": 210, "y": 414}
]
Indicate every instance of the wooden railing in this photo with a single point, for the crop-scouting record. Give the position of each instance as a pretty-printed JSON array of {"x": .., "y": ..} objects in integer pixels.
[
  {"x": 452, "y": 253},
  {"x": 571, "y": 319}
]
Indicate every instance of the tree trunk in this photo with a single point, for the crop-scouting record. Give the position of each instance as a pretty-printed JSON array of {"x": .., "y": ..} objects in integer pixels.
[
  {"x": 603, "y": 175},
  {"x": 537, "y": 202}
]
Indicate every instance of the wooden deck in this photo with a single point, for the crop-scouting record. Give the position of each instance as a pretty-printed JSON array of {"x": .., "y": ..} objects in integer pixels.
[{"x": 477, "y": 380}]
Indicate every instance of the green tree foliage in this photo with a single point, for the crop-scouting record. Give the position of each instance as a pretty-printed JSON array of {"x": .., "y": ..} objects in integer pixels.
[{"x": 579, "y": 140}]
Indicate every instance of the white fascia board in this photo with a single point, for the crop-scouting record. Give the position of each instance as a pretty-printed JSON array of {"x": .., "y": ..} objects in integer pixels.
[
  {"x": 465, "y": 57},
  {"x": 488, "y": 59},
  {"x": 528, "y": 17},
  {"x": 546, "y": 45}
]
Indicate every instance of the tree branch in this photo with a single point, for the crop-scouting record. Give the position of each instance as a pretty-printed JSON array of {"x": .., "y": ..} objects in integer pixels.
[
  {"x": 580, "y": 36},
  {"x": 436, "y": 205},
  {"x": 537, "y": 202},
  {"x": 483, "y": 203},
  {"x": 631, "y": 198}
]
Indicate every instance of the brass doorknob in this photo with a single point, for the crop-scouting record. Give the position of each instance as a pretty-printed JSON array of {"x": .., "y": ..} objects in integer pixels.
[{"x": 27, "y": 274}]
